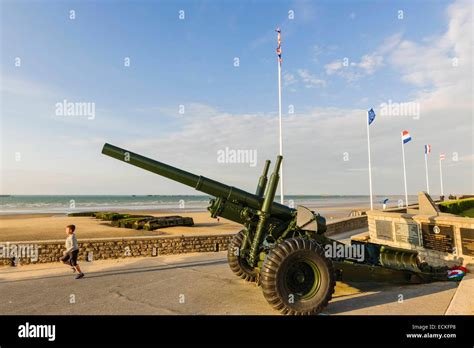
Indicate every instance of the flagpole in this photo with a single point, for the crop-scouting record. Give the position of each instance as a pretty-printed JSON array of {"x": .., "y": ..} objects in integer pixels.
[
  {"x": 281, "y": 138},
  {"x": 370, "y": 166},
  {"x": 282, "y": 197},
  {"x": 426, "y": 171},
  {"x": 441, "y": 176},
  {"x": 404, "y": 171}
]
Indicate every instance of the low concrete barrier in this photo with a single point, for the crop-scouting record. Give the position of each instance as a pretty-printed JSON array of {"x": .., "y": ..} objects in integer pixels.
[{"x": 346, "y": 225}]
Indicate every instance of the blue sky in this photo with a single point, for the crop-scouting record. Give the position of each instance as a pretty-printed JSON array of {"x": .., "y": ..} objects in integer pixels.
[
  {"x": 190, "y": 62},
  {"x": 180, "y": 61}
]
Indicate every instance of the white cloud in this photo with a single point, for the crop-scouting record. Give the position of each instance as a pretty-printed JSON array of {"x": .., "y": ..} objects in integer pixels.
[
  {"x": 441, "y": 66},
  {"x": 304, "y": 77},
  {"x": 444, "y": 61},
  {"x": 321, "y": 50},
  {"x": 351, "y": 71},
  {"x": 333, "y": 67},
  {"x": 370, "y": 63},
  {"x": 316, "y": 51},
  {"x": 309, "y": 79},
  {"x": 289, "y": 79},
  {"x": 389, "y": 44}
]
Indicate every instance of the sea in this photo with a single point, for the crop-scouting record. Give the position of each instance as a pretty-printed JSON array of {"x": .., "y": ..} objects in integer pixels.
[{"x": 23, "y": 204}]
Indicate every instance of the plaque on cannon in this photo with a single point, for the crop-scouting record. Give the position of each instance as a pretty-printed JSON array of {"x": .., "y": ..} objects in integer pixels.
[
  {"x": 467, "y": 241},
  {"x": 407, "y": 233},
  {"x": 438, "y": 237},
  {"x": 383, "y": 230}
]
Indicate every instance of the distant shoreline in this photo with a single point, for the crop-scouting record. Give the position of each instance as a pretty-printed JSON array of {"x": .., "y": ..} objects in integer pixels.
[
  {"x": 61, "y": 205},
  {"x": 151, "y": 210}
]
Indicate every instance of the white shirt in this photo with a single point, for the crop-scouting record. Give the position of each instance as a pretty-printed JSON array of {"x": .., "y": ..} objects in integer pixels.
[{"x": 71, "y": 243}]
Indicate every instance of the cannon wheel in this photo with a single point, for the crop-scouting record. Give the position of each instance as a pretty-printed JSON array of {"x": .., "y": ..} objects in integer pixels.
[
  {"x": 296, "y": 277},
  {"x": 237, "y": 264}
]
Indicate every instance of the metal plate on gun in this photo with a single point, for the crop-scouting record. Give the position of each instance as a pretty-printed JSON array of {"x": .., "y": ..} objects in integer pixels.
[
  {"x": 383, "y": 230},
  {"x": 407, "y": 233}
]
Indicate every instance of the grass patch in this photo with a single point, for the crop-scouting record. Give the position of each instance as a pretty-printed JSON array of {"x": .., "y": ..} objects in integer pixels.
[
  {"x": 462, "y": 207},
  {"x": 468, "y": 213}
]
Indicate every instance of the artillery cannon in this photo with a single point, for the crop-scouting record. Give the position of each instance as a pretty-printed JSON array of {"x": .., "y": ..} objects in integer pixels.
[{"x": 285, "y": 249}]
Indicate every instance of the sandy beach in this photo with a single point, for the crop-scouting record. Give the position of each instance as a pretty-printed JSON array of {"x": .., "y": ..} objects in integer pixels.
[
  {"x": 47, "y": 226},
  {"x": 27, "y": 227}
]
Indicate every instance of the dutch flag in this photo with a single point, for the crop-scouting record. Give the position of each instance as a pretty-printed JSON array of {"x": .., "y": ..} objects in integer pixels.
[{"x": 406, "y": 137}]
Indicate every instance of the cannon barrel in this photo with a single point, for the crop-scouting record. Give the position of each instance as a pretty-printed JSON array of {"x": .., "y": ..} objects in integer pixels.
[
  {"x": 262, "y": 182},
  {"x": 200, "y": 183}
]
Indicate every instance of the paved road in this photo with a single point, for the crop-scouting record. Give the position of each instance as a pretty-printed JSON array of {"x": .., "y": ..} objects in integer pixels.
[
  {"x": 185, "y": 284},
  {"x": 180, "y": 284}
]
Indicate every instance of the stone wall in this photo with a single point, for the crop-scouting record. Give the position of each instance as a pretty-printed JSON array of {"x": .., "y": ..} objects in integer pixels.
[
  {"x": 112, "y": 248},
  {"x": 385, "y": 227}
]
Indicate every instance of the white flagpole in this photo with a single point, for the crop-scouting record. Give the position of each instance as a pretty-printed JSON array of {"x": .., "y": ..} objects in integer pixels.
[
  {"x": 404, "y": 172},
  {"x": 441, "y": 177},
  {"x": 370, "y": 167},
  {"x": 281, "y": 138},
  {"x": 426, "y": 170}
]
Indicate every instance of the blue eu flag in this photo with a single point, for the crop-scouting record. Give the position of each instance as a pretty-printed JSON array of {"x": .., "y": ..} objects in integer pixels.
[{"x": 371, "y": 115}]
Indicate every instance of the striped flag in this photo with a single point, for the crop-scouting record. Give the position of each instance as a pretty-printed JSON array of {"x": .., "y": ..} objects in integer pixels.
[
  {"x": 442, "y": 156},
  {"x": 406, "y": 137},
  {"x": 427, "y": 149},
  {"x": 278, "y": 50}
]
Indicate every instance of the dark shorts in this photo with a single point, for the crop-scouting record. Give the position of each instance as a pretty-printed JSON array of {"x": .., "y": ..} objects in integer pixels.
[{"x": 71, "y": 257}]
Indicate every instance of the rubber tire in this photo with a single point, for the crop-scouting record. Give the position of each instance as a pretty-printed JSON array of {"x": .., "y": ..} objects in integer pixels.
[
  {"x": 238, "y": 265},
  {"x": 273, "y": 270}
]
